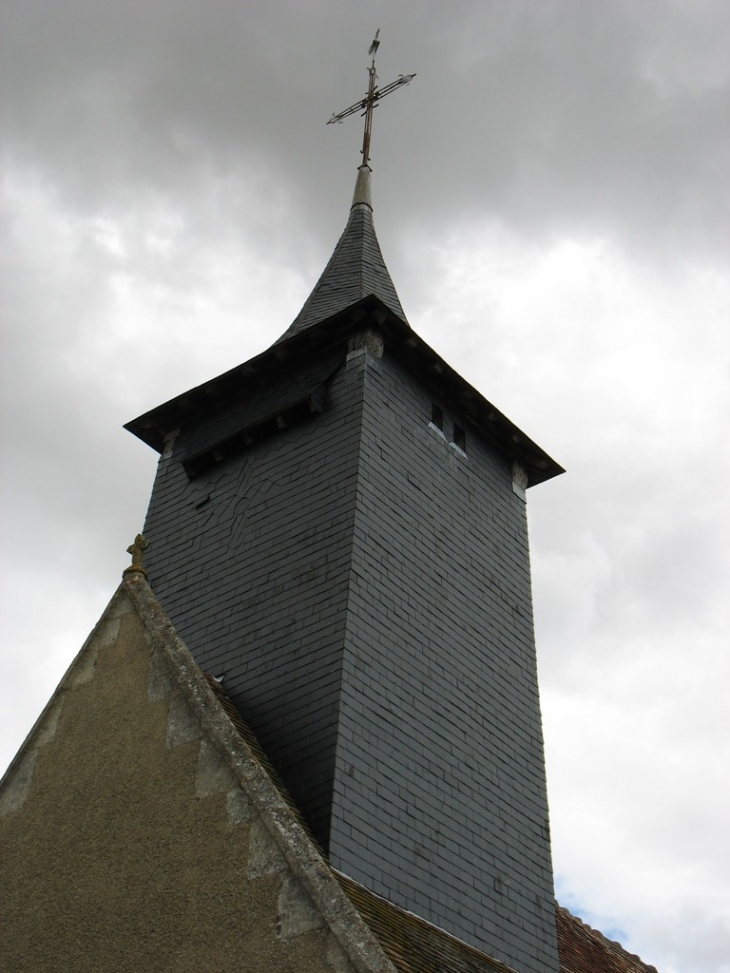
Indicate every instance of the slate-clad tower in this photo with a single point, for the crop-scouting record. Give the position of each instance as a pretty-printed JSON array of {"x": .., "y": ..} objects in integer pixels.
[{"x": 338, "y": 531}]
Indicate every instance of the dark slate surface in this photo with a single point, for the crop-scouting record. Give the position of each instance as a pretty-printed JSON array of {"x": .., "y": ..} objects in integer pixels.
[
  {"x": 266, "y": 400},
  {"x": 251, "y": 561},
  {"x": 440, "y": 801},
  {"x": 355, "y": 270},
  {"x": 363, "y": 588}
]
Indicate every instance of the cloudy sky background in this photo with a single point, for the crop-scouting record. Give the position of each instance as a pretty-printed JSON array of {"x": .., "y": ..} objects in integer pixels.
[{"x": 552, "y": 196}]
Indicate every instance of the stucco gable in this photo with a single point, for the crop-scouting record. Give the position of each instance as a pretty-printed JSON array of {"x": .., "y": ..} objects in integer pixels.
[
  {"x": 142, "y": 827},
  {"x": 139, "y": 830}
]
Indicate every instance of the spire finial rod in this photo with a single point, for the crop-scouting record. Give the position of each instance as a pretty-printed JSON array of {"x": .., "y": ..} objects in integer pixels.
[{"x": 367, "y": 104}]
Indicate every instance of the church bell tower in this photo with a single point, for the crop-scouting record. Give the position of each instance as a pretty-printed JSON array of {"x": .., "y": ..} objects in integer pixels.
[{"x": 338, "y": 532}]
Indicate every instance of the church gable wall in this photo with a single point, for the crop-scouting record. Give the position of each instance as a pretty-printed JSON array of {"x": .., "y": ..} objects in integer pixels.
[{"x": 127, "y": 843}]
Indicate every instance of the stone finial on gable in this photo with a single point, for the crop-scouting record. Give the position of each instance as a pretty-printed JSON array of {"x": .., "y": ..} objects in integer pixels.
[{"x": 137, "y": 551}]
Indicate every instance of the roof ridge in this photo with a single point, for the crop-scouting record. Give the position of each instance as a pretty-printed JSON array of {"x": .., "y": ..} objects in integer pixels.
[{"x": 603, "y": 941}]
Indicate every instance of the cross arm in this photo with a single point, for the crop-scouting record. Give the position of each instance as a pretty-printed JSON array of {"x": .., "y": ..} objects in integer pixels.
[
  {"x": 358, "y": 106},
  {"x": 376, "y": 96}
]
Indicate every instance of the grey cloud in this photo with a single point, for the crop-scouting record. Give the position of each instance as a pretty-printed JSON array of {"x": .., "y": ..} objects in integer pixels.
[{"x": 567, "y": 128}]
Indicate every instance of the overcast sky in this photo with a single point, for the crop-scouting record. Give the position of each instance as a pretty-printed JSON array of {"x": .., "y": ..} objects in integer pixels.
[{"x": 552, "y": 197}]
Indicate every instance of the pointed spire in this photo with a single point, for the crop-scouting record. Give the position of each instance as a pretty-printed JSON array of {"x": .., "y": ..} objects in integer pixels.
[{"x": 355, "y": 270}]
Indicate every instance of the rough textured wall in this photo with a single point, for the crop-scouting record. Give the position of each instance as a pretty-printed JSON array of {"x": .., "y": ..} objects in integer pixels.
[
  {"x": 440, "y": 801},
  {"x": 126, "y": 844},
  {"x": 251, "y": 561}
]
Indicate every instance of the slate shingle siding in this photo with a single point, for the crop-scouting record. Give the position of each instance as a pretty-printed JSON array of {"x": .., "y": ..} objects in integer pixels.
[
  {"x": 250, "y": 411},
  {"x": 364, "y": 590},
  {"x": 440, "y": 800},
  {"x": 251, "y": 561}
]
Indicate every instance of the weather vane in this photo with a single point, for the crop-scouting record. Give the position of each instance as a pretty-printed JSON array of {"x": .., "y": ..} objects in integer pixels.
[{"x": 368, "y": 103}]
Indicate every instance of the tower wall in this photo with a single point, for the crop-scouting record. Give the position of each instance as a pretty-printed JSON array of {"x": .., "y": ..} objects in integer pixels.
[
  {"x": 362, "y": 586},
  {"x": 440, "y": 801},
  {"x": 251, "y": 561}
]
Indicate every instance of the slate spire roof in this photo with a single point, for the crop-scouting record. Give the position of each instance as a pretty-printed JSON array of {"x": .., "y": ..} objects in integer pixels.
[{"x": 355, "y": 270}]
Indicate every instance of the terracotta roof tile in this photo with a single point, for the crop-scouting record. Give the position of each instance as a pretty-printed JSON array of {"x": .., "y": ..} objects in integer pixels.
[
  {"x": 412, "y": 944},
  {"x": 585, "y": 950}
]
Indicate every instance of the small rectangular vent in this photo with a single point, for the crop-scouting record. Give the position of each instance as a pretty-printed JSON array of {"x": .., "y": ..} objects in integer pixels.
[
  {"x": 438, "y": 424},
  {"x": 459, "y": 438}
]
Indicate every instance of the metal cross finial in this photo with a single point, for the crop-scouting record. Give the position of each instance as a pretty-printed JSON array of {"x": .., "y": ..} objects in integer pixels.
[{"x": 368, "y": 103}]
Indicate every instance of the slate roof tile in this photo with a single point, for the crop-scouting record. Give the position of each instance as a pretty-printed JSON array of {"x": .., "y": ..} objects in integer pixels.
[{"x": 355, "y": 270}]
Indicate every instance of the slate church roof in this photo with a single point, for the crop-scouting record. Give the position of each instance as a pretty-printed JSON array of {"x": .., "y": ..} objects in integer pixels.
[{"x": 355, "y": 286}]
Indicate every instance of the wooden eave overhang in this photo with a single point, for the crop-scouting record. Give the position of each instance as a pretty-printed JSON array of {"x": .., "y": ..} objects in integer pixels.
[{"x": 400, "y": 339}]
